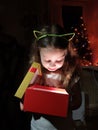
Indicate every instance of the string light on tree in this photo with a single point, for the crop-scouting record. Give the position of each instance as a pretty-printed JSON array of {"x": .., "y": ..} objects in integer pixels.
[{"x": 82, "y": 43}]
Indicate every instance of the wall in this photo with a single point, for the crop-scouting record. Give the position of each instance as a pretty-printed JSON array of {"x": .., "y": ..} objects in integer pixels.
[
  {"x": 10, "y": 16},
  {"x": 92, "y": 26},
  {"x": 18, "y": 17}
]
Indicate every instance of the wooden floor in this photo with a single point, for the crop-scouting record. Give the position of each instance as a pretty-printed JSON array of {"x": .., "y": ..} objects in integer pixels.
[{"x": 92, "y": 123}]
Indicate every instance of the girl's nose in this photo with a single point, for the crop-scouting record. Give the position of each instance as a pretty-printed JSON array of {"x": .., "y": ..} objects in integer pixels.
[{"x": 52, "y": 64}]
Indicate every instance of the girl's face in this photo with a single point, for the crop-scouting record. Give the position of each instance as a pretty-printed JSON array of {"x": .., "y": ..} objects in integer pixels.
[{"x": 52, "y": 59}]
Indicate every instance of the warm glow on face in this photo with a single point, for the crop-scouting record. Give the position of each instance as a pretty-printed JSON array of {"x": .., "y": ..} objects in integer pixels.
[{"x": 52, "y": 59}]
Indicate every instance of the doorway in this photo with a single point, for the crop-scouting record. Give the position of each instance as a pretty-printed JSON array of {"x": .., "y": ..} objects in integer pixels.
[{"x": 71, "y": 16}]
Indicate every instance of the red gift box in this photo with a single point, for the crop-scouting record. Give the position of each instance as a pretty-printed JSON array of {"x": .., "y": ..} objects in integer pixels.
[{"x": 46, "y": 100}]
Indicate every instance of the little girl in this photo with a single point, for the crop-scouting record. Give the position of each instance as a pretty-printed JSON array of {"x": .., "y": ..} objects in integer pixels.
[{"x": 54, "y": 50}]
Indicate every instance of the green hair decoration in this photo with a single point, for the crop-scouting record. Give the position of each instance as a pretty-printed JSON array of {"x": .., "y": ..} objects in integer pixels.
[{"x": 51, "y": 35}]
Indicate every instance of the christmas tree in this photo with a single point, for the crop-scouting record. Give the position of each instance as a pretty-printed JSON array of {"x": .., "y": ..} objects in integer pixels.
[{"x": 82, "y": 44}]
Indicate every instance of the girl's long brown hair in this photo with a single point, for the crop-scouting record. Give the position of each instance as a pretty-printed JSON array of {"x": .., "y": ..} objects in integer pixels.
[{"x": 71, "y": 64}]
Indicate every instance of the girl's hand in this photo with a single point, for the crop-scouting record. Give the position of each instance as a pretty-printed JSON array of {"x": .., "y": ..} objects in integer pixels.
[{"x": 21, "y": 106}]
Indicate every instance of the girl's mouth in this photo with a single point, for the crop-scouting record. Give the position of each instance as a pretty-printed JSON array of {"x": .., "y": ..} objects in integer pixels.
[{"x": 52, "y": 69}]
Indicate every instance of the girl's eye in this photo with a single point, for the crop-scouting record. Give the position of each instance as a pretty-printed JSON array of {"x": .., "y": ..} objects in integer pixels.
[
  {"x": 59, "y": 61},
  {"x": 47, "y": 61}
]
